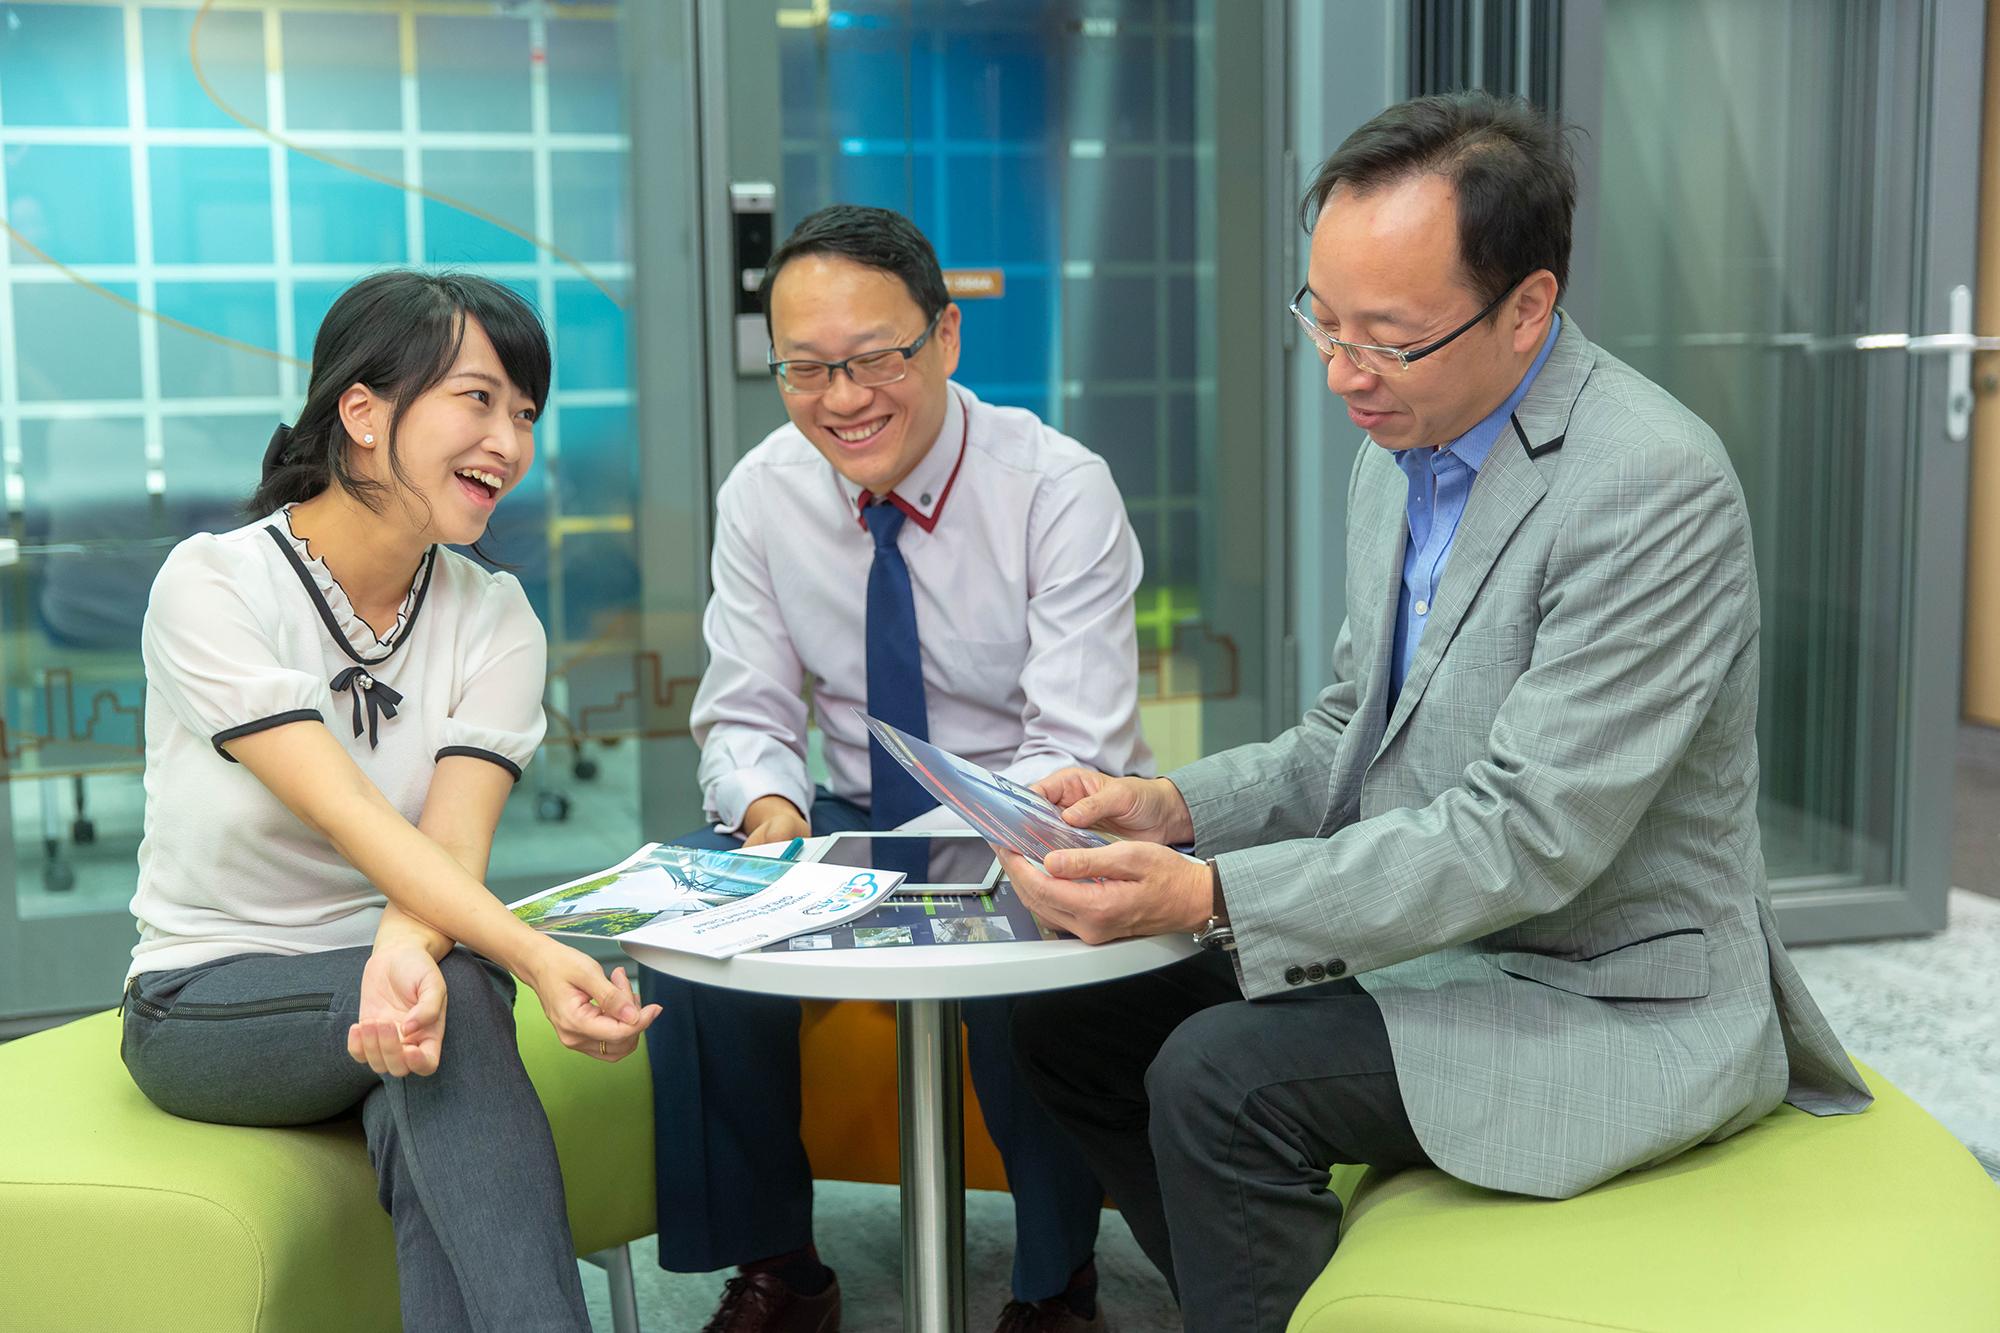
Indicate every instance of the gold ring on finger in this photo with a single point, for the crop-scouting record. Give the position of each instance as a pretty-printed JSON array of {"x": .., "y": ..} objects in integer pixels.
[{"x": 602, "y": 1049}]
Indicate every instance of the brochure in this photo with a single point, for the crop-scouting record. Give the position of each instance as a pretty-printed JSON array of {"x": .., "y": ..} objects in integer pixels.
[
  {"x": 716, "y": 904},
  {"x": 997, "y": 917},
  {"x": 999, "y": 809}
]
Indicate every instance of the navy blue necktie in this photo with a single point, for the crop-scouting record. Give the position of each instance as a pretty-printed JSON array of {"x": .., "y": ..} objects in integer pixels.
[{"x": 895, "y": 671}]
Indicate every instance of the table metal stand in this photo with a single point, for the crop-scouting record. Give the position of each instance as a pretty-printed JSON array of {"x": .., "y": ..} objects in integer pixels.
[{"x": 931, "y": 1110}]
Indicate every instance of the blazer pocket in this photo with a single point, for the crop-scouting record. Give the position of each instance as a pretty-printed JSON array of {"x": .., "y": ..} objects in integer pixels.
[
  {"x": 1671, "y": 966},
  {"x": 1482, "y": 646}
]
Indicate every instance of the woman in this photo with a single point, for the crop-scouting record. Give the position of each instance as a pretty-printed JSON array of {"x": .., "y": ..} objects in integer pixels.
[{"x": 337, "y": 709}]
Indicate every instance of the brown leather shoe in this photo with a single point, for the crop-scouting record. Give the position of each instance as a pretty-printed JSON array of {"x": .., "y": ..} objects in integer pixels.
[
  {"x": 1049, "y": 1316},
  {"x": 762, "y": 1303}
]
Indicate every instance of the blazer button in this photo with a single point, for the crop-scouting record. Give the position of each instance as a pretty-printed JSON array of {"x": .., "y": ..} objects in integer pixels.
[
  {"x": 1336, "y": 967},
  {"x": 1295, "y": 976},
  {"x": 1315, "y": 973}
]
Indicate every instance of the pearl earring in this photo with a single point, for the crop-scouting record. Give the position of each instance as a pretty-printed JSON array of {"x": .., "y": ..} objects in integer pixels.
[{"x": 368, "y": 439}]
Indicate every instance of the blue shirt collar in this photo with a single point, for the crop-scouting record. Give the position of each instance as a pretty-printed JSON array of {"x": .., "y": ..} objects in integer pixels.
[{"x": 1472, "y": 447}]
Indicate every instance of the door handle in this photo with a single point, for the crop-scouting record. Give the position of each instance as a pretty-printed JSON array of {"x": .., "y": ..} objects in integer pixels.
[{"x": 1957, "y": 346}]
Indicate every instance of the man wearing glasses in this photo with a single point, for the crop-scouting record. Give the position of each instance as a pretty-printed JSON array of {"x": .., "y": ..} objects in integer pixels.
[
  {"x": 1497, "y": 904},
  {"x": 957, "y": 569}
]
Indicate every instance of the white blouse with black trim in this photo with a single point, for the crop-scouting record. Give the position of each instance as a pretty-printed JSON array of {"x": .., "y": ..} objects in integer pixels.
[{"x": 246, "y": 631}]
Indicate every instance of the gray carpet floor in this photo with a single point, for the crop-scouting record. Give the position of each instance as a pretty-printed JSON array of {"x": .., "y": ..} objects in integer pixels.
[{"x": 1919, "y": 1011}]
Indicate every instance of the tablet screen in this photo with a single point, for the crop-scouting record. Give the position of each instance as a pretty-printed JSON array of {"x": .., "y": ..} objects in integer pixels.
[{"x": 962, "y": 864}]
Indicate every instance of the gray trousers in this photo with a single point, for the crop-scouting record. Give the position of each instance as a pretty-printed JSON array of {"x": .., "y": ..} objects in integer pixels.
[
  {"x": 1212, "y": 1120},
  {"x": 463, "y": 1158}
]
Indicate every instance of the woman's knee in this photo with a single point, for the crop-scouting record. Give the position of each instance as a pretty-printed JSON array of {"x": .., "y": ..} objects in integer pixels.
[{"x": 477, "y": 989}]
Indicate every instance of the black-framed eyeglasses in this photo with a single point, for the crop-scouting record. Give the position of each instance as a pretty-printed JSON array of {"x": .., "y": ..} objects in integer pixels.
[
  {"x": 1373, "y": 359},
  {"x": 870, "y": 370}
]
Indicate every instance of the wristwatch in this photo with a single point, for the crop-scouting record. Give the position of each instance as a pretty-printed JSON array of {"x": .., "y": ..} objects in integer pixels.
[{"x": 1215, "y": 933}]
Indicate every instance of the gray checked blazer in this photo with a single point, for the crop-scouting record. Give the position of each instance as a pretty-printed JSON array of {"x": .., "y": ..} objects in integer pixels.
[{"x": 1543, "y": 862}]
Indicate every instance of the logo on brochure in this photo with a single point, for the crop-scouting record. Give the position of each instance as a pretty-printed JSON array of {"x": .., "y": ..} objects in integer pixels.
[{"x": 858, "y": 889}]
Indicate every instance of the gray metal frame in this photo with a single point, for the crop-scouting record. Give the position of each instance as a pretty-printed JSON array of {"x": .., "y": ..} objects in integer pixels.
[
  {"x": 617, "y": 1265},
  {"x": 671, "y": 359},
  {"x": 1246, "y": 575},
  {"x": 1345, "y": 67}
]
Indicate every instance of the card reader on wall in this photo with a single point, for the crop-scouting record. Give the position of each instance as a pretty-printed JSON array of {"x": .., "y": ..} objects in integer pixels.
[{"x": 752, "y": 205}]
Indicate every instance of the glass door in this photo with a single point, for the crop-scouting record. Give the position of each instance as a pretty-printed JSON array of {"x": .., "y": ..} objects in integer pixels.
[
  {"x": 1076, "y": 166},
  {"x": 1777, "y": 226}
]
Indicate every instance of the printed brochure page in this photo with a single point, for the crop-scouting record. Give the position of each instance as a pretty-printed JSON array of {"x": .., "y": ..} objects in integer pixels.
[
  {"x": 668, "y": 896},
  {"x": 999, "y": 809}
]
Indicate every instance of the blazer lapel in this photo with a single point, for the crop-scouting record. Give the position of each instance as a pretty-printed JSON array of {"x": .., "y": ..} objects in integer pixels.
[
  {"x": 1505, "y": 492},
  {"x": 1383, "y": 506}
]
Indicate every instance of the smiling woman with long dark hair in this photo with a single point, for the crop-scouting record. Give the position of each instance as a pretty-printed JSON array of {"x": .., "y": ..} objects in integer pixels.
[{"x": 337, "y": 708}]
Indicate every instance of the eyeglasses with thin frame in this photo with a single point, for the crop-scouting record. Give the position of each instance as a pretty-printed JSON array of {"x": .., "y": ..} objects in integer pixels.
[
  {"x": 870, "y": 370},
  {"x": 1376, "y": 360}
]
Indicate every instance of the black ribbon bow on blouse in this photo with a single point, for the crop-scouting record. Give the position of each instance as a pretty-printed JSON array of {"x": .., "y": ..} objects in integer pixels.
[{"x": 381, "y": 700}]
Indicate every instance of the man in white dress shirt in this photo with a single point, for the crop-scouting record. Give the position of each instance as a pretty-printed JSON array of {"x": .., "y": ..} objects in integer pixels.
[{"x": 961, "y": 570}]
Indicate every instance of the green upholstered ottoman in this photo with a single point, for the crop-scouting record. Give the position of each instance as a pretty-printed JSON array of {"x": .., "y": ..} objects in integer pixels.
[
  {"x": 1875, "y": 1221},
  {"x": 116, "y": 1215}
]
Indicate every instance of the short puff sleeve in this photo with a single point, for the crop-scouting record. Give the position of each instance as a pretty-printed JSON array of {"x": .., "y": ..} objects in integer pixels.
[
  {"x": 210, "y": 659},
  {"x": 497, "y": 714}
]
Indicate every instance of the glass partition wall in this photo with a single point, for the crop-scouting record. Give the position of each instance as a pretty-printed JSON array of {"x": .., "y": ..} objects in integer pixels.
[
  {"x": 1782, "y": 197},
  {"x": 187, "y": 187}
]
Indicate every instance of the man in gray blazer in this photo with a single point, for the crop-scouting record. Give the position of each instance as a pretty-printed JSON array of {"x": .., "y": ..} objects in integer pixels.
[{"x": 1498, "y": 902}]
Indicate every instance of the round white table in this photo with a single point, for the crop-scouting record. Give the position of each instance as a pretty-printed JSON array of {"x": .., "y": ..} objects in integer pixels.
[{"x": 927, "y": 982}]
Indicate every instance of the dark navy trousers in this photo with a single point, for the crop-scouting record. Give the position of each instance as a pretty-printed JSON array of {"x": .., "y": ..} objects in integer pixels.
[{"x": 734, "y": 1182}]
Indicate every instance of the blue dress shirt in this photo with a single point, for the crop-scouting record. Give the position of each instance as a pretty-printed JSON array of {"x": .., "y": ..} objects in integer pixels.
[{"x": 1441, "y": 480}]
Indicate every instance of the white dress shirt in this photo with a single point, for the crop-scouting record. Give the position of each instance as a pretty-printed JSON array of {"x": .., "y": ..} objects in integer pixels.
[{"x": 1023, "y": 567}]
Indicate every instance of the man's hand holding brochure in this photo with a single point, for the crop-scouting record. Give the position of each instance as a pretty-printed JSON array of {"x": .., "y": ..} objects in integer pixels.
[
  {"x": 716, "y": 904},
  {"x": 1097, "y": 888}
]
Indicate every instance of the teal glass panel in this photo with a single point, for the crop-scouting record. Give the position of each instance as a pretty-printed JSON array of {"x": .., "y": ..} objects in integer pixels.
[
  {"x": 590, "y": 339},
  {"x": 310, "y": 302},
  {"x": 585, "y": 77},
  {"x": 71, "y": 342},
  {"x": 211, "y": 205},
  {"x": 83, "y": 481},
  {"x": 501, "y": 184},
  {"x": 232, "y": 60},
  {"x": 342, "y": 72},
  {"x": 472, "y": 74},
  {"x": 193, "y": 366},
  {"x": 73, "y": 201},
  {"x": 62, "y": 65},
  {"x": 212, "y": 465},
  {"x": 339, "y": 217},
  {"x": 590, "y": 214}
]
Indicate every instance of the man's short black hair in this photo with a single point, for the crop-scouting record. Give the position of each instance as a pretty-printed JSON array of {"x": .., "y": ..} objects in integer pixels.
[
  {"x": 1508, "y": 163},
  {"x": 877, "y": 237}
]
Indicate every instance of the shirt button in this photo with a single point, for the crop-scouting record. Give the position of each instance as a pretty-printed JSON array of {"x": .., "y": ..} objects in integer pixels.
[
  {"x": 1336, "y": 967},
  {"x": 1315, "y": 973},
  {"x": 1295, "y": 976},
  {"x": 1422, "y": 608},
  {"x": 924, "y": 499}
]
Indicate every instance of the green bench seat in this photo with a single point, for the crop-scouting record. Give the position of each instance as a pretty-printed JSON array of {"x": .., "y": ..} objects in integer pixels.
[
  {"x": 1877, "y": 1221},
  {"x": 116, "y": 1215}
]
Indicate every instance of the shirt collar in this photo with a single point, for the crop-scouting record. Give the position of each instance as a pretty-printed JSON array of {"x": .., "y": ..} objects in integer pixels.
[
  {"x": 922, "y": 494},
  {"x": 1472, "y": 447}
]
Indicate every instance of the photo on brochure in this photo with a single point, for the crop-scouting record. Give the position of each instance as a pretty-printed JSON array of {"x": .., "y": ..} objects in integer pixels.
[
  {"x": 716, "y": 904},
  {"x": 997, "y": 916},
  {"x": 1000, "y": 810},
  {"x": 656, "y": 883}
]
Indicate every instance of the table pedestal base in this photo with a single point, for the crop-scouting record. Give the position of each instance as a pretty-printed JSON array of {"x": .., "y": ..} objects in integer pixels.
[{"x": 931, "y": 1107}]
